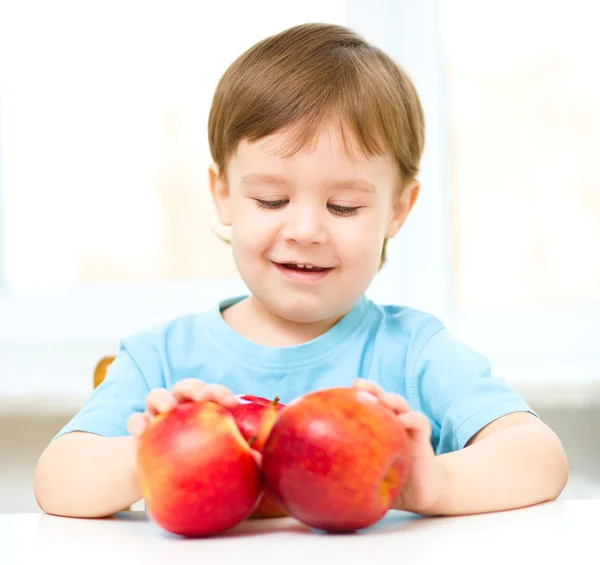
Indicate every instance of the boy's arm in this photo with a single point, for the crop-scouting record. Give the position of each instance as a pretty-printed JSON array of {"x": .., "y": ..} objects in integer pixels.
[
  {"x": 85, "y": 475},
  {"x": 513, "y": 462},
  {"x": 481, "y": 447},
  {"x": 88, "y": 470}
]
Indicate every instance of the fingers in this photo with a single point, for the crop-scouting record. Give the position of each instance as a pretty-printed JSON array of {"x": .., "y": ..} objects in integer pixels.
[
  {"x": 137, "y": 424},
  {"x": 369, "y": 386},
  {"x": 159, "y": 400},
  {"x": 417, "y": 425},
  {"x": 393, "y": 401},
  {"x": 195, "y": 390}
]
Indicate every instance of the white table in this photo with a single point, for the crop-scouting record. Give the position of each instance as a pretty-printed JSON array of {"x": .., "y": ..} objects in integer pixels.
[{"x": 558, "y": 532}]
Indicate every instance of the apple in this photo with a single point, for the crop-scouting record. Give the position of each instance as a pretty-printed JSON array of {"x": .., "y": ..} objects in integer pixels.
[
  {"x": 255, "y": 417},
  {"x": 336, "y": 459},
  {"x": 196, "y": 470},
  {"x": 268, "y": 507}
]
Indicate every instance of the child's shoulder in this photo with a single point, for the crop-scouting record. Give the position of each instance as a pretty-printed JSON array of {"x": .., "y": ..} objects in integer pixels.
[
  {"x": 403, "y": 332},
  {"x": 181, "y": 329},
  {"x": 402, "y": 319}
]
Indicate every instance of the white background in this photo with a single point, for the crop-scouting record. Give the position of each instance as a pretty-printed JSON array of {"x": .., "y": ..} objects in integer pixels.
[{"x": 52, "y": 331}]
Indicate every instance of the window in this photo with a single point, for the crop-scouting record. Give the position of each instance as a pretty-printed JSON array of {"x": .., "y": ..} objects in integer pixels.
[
  {"x": 104, "y": 135},
  {"x": 106, "y": 225},
  {"x": 522, "y": 89},
  {"x": 503, "y": 242},
  {"x": 522, "y": 98}
]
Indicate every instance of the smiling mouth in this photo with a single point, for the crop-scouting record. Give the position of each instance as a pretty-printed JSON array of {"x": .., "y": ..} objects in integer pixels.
[
  {"x": 304, "y": 267},
  {"x": 303, "y": 273}
]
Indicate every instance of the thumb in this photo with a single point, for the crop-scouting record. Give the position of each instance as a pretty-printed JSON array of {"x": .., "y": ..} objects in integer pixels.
[
  {"x": 418, "y": 427},
  {"x": 136, "y": 424}
]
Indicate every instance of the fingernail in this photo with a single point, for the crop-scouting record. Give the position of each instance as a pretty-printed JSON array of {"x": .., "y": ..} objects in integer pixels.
[
  {"x": 368, "y": 396},
  {"x": 404, "y": 417}
]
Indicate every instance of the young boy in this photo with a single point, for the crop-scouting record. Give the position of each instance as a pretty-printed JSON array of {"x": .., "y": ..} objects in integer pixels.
[{"x": 316, "y": 138}]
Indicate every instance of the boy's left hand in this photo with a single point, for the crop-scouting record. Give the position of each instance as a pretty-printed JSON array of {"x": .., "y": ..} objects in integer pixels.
[{"x": 425, "y": 482}]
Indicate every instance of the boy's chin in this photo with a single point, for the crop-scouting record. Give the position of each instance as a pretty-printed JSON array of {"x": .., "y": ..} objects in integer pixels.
[
  {"x": 303, "y": 316},
  {"x": 305, "y": 311}
]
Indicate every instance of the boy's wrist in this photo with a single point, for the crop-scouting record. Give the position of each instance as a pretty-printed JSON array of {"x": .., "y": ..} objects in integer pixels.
[
  {"x": 430, "y": 495},
  {"x": 450, "y": 500},
  {"x": 442, "y": 474},
  {"x": 436, "y": 498},
  {"x": 134, "y": 484}
]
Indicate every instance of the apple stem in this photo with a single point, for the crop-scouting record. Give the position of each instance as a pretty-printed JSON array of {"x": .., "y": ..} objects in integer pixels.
[
  {"x": 252, "y": 439},
  {"x": 275, "y": 401}
]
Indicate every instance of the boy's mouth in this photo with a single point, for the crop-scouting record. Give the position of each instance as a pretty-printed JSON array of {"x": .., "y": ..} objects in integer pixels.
[
  {"x": 303, "y": 267},
  {"x": 302, "y": 271}
]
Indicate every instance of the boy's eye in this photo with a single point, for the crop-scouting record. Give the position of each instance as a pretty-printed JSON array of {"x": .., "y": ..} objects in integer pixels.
[
  {"x": 335, "y": 208},
  {"x": 344, "y": 210},
  {"x": 270, "y": 204}
]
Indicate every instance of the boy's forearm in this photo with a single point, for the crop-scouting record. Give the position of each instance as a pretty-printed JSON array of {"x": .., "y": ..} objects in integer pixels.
[
  {"x": 513, "y": 468},
  {"x": 88, "y": 476}
]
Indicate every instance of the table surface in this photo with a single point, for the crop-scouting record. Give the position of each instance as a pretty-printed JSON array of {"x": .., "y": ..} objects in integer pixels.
[{"x": 549, "y": 532}]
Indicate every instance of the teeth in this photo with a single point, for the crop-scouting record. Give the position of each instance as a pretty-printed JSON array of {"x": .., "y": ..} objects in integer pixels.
[{"x": 303, "y": 266}]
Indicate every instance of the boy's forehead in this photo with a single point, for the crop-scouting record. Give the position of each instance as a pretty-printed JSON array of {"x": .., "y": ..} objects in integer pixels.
[
  {"x": 253, "y": 179},
  {"x": 325, "y": 156},
  {"x": 285, "y": 146}
]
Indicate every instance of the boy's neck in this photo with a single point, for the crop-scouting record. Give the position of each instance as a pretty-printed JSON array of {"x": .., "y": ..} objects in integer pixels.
[{"x": 253, "y": 321}]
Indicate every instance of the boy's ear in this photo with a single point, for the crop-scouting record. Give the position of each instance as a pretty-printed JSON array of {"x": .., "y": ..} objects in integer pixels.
[
  {"x": 219, "y": 190},
  {"x": 402, "y": 206}
]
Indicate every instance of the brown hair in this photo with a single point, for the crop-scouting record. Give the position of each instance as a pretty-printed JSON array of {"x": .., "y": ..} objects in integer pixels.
[{"x": 308, "y": 75}]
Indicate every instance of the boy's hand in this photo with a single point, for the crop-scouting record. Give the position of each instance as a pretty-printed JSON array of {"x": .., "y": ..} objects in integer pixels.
[
  {"x": 161, "y": 400},
  {"x": 425, "y": 482}
]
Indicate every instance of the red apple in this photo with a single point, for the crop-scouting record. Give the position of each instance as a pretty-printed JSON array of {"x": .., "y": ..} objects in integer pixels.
[
  {"x": 336, "y": 459},
  {"x": 196, "y": 470},
  {"x": 255, "y": 417},
  {"x": 268, "y": 507}
]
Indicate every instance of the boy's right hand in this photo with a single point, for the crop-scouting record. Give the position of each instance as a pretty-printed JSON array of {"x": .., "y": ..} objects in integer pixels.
[{"x": 161, "y": 400}]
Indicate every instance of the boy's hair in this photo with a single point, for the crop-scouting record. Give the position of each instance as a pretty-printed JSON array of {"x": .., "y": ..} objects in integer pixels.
[{"x": 312, "y": 74}]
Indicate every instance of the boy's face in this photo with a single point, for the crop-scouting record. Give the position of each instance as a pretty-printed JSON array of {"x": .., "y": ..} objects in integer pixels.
[{"x": 319, "y": 207}]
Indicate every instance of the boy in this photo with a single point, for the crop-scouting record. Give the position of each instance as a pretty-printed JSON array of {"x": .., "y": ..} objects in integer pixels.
[{"x": 316, "y": 138}]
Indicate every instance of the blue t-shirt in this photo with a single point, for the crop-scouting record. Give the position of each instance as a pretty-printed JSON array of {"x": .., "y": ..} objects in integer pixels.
[{"x": 403, "y": 350}]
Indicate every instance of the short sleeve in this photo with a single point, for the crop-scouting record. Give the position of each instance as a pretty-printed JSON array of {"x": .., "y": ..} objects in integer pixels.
[
  {"x": 457, "y": 392},
  {"x": 122, "y": 393}
]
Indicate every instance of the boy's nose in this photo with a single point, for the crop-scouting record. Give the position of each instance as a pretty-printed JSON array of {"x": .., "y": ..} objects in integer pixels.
[{"x": 304, "y": 226}]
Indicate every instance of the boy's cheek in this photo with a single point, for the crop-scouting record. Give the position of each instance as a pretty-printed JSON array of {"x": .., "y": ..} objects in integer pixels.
[
  {"x": 252, "y": 239},
  {"x": 361, "y": 244}
]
